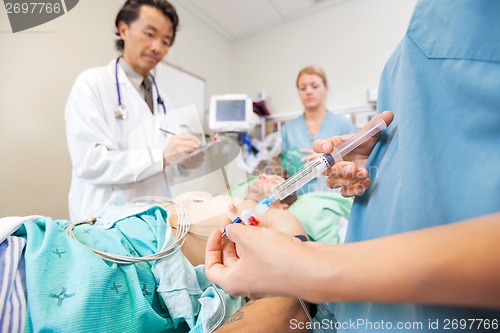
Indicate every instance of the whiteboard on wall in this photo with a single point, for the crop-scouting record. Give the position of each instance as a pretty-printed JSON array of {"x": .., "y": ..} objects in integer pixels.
[{"x": 183, "y": 88}]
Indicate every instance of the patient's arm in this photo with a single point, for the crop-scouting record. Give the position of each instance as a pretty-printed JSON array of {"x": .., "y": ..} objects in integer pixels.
[
  {"x": 267, "y": 315},
  {"x": 275, "y": 218},
  {"x": 209, "y": 215}
]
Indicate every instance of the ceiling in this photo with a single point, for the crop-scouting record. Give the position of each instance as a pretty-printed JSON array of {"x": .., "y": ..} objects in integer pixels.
[{"x": 236, "y": 19}]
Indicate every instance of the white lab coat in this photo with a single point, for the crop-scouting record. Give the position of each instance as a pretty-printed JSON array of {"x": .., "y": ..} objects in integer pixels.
[{"x": 110, "y": 155}]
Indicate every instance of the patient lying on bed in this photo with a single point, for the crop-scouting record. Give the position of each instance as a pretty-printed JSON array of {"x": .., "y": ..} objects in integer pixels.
[
  {"x": 206, "y": 213},
  {"x": 70, "y": 288}
]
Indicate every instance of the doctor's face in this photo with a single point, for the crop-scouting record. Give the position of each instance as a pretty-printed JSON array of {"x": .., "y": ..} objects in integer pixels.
[
  {"x": 312, "y": 91},
  {"x": 146, "y": 40}
]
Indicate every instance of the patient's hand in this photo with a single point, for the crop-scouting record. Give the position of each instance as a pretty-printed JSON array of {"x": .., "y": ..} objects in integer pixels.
[{"x": 350, "y": 174}]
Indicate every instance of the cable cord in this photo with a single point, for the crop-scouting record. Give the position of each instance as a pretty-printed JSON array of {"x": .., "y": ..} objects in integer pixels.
[
  {"x": 182, "y": 227},
  {"x": 223, "y": 314},
  {"x": 310, "y": 318},
  {"x": 308, "y": 314}
]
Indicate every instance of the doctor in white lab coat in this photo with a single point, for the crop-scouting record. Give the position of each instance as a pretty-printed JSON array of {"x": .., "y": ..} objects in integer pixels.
[{"x": 127, "y": 152}]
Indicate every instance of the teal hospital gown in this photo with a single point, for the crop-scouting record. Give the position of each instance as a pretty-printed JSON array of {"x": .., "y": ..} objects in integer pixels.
[
  {"x": 71, "y": 289},
  {"x": 296, "y": 135},
  {"x": 438, "y": 162}
]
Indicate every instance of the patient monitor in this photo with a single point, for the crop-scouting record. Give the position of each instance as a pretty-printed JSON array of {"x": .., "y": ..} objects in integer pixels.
[{"x": 231, "y": 113}]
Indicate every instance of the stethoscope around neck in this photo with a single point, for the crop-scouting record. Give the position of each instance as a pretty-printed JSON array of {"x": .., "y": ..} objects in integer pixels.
[{"x": 121, "y": 111}]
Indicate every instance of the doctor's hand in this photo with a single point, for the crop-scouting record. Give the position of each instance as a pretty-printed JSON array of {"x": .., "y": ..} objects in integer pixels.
[
  {"x": 257, "y": 262},
  {"x": 180, "y": 146},
  {"x": 350, "y": 174},
  {"x": 194, "y": 161}
]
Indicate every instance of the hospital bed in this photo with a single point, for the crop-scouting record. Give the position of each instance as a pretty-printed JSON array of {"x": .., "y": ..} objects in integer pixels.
[
  {"x": 54, "y": 280},
  {"x": 60, "y": 276}
]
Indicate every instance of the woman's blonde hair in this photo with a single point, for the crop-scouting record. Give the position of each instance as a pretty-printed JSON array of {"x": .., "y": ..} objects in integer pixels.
[{"x": 313, "y": 70}]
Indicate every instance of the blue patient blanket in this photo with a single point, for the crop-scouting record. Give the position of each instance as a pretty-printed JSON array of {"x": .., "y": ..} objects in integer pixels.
[
  {"x": 12, "y": 286},
  {"x": 71, "y": 289}
]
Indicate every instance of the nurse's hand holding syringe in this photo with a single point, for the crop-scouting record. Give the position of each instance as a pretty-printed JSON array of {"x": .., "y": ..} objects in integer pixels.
[
  {"x": 350, "y": 174},
  {"x": 332, "y": 155}
]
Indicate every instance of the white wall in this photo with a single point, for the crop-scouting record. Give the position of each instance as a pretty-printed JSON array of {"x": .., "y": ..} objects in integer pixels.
[
  {"x": 351, "y": 41},
  {"x": 203, "y": 52},
  {"x": 38, "y": 67}
]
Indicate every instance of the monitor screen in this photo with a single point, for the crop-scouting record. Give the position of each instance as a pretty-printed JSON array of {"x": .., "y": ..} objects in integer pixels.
[{"x": 231, "y": 110}]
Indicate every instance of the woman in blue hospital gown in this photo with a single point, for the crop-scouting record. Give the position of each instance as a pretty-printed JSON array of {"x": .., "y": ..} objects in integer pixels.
[
  {"x": 298, "y": 135},
  {"x": 421, "y": 253}
]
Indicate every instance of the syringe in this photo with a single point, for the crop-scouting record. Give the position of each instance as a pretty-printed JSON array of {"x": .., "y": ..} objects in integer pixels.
[
  {"x": 325, "y": 161},
  {"x": 315, "y": 168}
]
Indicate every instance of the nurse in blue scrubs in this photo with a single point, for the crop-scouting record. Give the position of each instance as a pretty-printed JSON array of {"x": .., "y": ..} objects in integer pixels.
[
  {"x": 421, "y": 253},
  {"x": 317, "y": 122}
]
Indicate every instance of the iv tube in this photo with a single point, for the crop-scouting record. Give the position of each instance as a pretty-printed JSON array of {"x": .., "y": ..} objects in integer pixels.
[{"x": 325, "y": 161}]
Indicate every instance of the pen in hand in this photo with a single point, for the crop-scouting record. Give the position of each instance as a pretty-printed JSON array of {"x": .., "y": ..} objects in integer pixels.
[{"x": 168, "y": 132}]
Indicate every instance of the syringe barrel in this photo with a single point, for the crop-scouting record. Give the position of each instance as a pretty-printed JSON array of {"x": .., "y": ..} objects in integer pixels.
[
  {"x": 373, "y": 127},
  {"x": 303, "y": 177}
]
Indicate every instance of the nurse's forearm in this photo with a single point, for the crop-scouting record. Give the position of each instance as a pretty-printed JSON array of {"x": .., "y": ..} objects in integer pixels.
[{"x": 455, "y": 264}]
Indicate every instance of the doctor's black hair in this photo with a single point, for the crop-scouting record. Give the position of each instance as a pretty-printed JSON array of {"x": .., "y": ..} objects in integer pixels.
[{"x": 130, "y": 12}]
